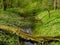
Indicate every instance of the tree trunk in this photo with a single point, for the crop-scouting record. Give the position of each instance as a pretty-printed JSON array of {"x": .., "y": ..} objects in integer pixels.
[
  {"x": 55, "y": 4},
  {"x": 4, "y": 5},
  {"x": 49, "y": 12}
]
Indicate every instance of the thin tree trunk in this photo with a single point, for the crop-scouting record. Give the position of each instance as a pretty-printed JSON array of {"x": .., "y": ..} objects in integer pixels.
[
  {"x": 11, "y": 3},
  {"x": 49, "y": 12},
  {"x": 4, "y": 5},
  {"x": 55, "y": 4}
]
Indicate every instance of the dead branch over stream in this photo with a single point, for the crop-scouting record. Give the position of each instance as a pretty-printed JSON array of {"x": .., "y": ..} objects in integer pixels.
[{"x": 23, "y": 35}]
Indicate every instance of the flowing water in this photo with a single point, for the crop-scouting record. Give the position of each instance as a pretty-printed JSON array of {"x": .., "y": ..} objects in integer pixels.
[{"x": 27, "y": 29}]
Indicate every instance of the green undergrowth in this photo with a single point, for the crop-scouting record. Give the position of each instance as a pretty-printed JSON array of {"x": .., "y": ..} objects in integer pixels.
[
  {"x": 8, "y": 39},
  {"x": 9, "y": 19},
  {"x": 12, "y": 19},
  {"x": 50, "y": 26}
]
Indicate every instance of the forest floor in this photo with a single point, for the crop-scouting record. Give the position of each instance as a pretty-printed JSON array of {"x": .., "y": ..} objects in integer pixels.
[{"x": 50, "y": 26}]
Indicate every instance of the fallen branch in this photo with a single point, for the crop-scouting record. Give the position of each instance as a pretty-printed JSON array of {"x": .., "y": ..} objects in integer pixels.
[{"x": 23, "y": 35}]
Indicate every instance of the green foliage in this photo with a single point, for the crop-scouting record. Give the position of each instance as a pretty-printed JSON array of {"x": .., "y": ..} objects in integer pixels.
[
  {"x": 8, "y": 39},
  {"x": 50, "y": 25},
  {"x": 43, "y": 4},
  {"x": 32, "y": 10}
]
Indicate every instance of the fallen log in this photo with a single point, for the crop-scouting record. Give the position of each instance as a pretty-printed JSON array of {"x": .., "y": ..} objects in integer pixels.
[{"x": 23, "y": 35}]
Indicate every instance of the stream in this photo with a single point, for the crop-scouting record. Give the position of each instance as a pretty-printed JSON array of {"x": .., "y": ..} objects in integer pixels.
[{"x": 27, "y": 29}]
